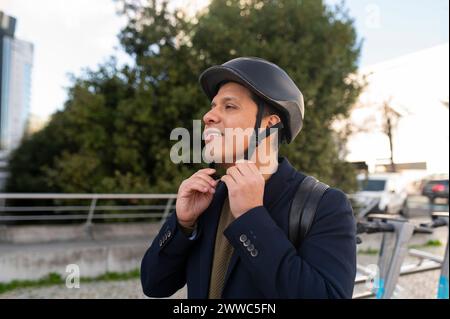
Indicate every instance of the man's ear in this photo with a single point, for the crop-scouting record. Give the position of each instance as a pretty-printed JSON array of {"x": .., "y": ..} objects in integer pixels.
[{"x": 272, "y": 120}]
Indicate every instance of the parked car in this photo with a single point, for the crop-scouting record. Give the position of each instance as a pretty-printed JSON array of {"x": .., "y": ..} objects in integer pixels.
[
  {"x": 381, "y": 193},
  {"x": 436, "y": 188}
]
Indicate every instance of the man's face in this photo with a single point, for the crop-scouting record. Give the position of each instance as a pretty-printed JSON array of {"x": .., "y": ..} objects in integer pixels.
[{"x": 231, "y": 108}]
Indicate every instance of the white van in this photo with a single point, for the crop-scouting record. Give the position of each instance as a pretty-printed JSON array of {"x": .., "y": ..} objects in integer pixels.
[{"x": 386, "y": 192}]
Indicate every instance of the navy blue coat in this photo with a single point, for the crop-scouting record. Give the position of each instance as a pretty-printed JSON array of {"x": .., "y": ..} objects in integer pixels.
[{"x": 324, "y": 266}]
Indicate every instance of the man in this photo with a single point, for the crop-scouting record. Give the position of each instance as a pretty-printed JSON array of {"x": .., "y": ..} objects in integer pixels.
[{"x": 228, "y": 238}]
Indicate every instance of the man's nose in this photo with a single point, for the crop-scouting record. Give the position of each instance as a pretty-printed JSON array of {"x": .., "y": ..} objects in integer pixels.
[{"x": 211, "y": 117}]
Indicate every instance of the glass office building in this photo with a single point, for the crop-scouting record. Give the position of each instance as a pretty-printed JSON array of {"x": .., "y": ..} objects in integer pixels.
[{"x": 16, "y": 60}]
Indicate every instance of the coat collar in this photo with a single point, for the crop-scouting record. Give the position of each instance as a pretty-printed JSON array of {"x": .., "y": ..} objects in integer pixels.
[{"x": 277, "y": 184}]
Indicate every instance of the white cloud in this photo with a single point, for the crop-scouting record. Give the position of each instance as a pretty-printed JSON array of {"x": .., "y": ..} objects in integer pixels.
[{"x": 68, "y": 36}]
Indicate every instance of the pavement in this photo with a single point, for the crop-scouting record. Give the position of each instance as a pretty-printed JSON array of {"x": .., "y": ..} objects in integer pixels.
[{"x": 420, "y": 285}]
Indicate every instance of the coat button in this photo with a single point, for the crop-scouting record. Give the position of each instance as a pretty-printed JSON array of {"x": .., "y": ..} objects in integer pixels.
[
  {"x": 243, "y": 238},
  {"x": 246, "y": 243},
  {"x": 251, "y": 247},
  {"x": 160, "y": 242},
  {"x": 169, "y": 233},
  {"x": 254, "y": 253}
]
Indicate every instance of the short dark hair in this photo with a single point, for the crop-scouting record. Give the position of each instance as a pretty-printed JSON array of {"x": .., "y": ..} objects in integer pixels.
[{"x": 268, "y": 109}]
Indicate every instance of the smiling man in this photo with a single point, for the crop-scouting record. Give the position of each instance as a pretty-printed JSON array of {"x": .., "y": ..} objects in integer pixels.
[{"x": 233, "y": 237}]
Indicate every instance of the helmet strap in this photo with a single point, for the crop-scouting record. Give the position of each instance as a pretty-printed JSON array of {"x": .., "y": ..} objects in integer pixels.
[{"x": 257, "y": 137}]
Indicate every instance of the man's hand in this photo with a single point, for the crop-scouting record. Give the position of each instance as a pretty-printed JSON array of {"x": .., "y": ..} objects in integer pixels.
[
  {"x": 194, "y": 196},
  {"x": 245, "y": 186}
]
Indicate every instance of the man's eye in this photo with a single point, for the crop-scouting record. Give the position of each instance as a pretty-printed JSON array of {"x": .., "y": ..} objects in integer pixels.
[{"x": 228, "y": 106}]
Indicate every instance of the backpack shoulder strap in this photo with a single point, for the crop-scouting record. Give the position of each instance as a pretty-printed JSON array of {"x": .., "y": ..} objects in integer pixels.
[{"x": 303, "y": 208}]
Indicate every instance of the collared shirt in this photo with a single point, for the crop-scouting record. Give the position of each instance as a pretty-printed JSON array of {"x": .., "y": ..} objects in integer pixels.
[{"x": 223, "y": 251}]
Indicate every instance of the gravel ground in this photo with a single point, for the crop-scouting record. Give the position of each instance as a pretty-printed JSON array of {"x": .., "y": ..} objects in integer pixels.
[
  {"x": 422, "y": 286},
  {"x": 126, "y": 289},
  {"x": 418, "y": 286}
]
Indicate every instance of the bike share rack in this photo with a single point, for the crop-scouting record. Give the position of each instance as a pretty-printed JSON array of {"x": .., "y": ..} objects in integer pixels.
[
  {"x": 397, "y": 232},
  {"x": 443, "y": 279},
  {"x": 439, "y": 219},
  {"x": 394, "y": 248}
]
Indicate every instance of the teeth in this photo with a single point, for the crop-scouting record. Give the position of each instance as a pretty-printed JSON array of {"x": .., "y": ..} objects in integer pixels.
[{"x": 208, "y": 134}]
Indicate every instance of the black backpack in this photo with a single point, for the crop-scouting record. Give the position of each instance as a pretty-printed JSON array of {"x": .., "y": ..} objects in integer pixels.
[{"x": 303, "y": 208}]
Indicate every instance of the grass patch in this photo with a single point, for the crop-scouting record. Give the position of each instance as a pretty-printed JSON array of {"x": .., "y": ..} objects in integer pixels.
[
  {"x": 53, "y": 279},
  {"x": 429, "y": 243},
  {"x": 368, "y": 251}
]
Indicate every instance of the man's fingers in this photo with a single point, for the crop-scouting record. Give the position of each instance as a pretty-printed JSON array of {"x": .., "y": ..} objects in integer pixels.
[
  {"x": 228, "y": 180},
  {"x": 207, "y": 171},
  {"x": 244, "y": 169},
  {"x": 234, "y": 173},
  {"x": 239, "y": 161},
  {"x": 196, "y": 188},
  {"x": 200, "y": 185},
  {"x": 254, "y": 168},
  {"x": 206, "y": 178}
]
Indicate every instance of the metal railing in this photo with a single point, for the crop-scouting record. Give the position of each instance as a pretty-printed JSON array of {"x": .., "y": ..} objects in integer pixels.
[{"x": 91, "y": 210}]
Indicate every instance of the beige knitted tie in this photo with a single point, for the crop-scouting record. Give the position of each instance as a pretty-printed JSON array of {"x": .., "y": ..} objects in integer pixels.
[{"x": 222, "y": 253}]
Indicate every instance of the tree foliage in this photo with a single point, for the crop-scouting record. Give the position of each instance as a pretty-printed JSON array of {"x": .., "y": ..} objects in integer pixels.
[{"x": 113, "y": 132}]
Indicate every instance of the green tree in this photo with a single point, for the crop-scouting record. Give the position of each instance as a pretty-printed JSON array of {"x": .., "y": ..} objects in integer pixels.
[
  {"x": 316, "y": 45},
  {"x": 113, "y": 133}
]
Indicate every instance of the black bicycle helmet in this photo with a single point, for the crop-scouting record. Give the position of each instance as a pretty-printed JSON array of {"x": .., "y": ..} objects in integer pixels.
[{"x": 266, "y": 80}]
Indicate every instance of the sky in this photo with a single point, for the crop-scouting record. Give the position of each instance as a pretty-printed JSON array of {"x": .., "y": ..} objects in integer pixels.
[{"x": 71, "y": 35}]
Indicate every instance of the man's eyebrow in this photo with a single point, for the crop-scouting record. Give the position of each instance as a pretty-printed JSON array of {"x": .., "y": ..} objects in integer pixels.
[{"x": 225, "y": 99}]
